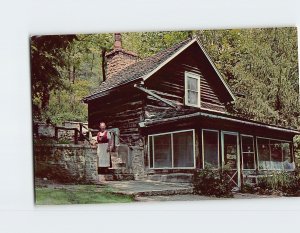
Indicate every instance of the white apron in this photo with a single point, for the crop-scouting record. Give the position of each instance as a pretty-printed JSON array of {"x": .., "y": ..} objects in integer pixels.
[{"x": 103, "y": 155}]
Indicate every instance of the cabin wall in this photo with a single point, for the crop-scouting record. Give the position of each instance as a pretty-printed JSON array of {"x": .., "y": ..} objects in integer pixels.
[{"x": 122, "y": 110}]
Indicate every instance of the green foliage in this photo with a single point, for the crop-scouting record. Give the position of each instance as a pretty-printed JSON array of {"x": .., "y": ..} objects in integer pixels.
[
  {"x": 46, "y": 58},
  {"x": 248, "y": 188},
  {"x": 148, "y": 43},
  {"x": 210, "y": 182},
  {"x": 286, "y": 182},
  {"x": 261, "y": 64}
]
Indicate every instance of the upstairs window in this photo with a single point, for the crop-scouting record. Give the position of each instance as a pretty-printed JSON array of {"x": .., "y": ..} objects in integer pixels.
[{"x": 192, "y": 89}]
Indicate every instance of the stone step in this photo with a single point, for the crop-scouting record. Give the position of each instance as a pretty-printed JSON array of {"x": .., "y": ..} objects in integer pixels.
[
  {"x": 172, "y": 177},
  {"x": 118, "y": 170},
  {"x": 140, "y": 188},
  {"x": 119, "y": 165},
  {"x": 115, "y": 177}
]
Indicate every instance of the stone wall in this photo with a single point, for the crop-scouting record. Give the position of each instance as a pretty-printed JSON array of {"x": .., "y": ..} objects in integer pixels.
[
  {"x": 137, "y": 162},
  {"x": 66, "y": 163}
]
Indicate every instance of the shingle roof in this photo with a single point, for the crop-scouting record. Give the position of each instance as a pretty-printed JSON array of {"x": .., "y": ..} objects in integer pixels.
[{"x": 139, "y": 69}]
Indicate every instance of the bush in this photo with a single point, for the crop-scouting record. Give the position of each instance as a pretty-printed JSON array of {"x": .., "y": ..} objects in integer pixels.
[
  {"x": 248, "y": 188},
  {"x": 286, "y": 182},
  {"x": 210, "y": 182}
]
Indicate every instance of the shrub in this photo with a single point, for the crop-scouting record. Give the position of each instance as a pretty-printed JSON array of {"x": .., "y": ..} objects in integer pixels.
[
  {"x": 210, "y": 182},
  {"x": 286, "y": 182},
  {"x": 248, "y": 188}
]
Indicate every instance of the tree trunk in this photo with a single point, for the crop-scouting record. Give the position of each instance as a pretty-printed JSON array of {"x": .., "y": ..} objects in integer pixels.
[
  {"x": 73, "y": 74},
  {"x": 103, "y": 64}
]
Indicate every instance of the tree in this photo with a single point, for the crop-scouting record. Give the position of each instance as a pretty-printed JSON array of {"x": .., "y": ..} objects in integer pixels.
[{"x": 46, "y": 58}]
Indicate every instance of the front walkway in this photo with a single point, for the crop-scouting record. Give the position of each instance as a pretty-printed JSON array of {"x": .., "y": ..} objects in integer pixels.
[
  {"x": 144, "y": 190},
  {"x": 149, "y": 188}
]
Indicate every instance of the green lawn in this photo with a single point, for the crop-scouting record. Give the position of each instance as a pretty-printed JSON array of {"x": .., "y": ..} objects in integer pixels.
[{"x": 79, "y": 194}]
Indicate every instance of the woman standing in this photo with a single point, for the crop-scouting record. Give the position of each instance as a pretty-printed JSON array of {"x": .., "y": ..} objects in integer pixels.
[{"x": 104, "y": 149}]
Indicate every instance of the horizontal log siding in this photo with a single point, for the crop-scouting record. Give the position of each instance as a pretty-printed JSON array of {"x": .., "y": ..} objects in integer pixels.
[
  {"x": 123, "y": 110},
  {"x": 168, "y": 83}
]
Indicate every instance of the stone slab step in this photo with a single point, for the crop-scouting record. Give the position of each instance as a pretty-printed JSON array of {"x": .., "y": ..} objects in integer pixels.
[
  {"x": 150, "y": 188},
  {"x": 115, "y": 177},
  {"x": 172, "y": 178},
  {"x": 118, "y": 171}
]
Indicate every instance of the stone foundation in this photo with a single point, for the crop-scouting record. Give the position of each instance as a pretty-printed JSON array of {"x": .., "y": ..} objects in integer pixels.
[
  {"x": 66, "y": 163},
  {"x": 137, "y": 162}
]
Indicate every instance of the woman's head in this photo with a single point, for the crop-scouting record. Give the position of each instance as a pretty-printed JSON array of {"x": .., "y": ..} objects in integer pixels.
[{"x": 102, "y": 126}]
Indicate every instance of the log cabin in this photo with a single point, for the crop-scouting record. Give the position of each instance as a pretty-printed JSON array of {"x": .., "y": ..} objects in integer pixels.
[{"x": 174, "y": 107}]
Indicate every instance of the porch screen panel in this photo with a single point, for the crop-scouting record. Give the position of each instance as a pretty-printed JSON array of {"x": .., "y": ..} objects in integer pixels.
[
  {"x": 211, "y": 149},
  {"x": 288, "y": 163},
  {"x": 276, "y": 155},
  {"x": 263, "y": 150},
  {"x": 162, "y": 151},
  {"x": 248, "y": 155},
  {"x": 230, "y": 150},
  {"x": 183, "y": 145}
]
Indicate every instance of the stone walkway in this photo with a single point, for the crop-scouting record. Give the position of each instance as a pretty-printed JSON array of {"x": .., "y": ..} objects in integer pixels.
[
  {"x": 149, "y": 191},
  {"x": 149, "y": 188}
]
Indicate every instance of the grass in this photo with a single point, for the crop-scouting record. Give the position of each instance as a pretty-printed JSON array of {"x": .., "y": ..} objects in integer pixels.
[{"x": 79, "y": 194}]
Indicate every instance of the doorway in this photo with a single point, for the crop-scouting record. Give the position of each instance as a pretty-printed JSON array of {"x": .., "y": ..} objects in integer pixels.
[{"x": 231, "y": 156}]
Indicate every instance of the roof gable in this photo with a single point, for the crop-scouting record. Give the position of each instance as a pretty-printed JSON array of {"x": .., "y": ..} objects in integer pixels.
[{"x": 145, "y": 68}]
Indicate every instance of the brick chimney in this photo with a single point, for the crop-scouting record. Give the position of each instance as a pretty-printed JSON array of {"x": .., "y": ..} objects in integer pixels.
[{"x": 118, "y": 58}]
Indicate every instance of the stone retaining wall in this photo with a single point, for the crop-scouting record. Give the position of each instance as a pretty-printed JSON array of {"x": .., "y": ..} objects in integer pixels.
[{"x": 66, "y": 163}]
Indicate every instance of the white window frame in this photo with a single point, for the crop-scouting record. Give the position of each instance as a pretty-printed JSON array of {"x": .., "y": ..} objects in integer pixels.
[
  {"x": 195, "y": 76},
  {"x": 172, "y": 149},
  {"x": 203, "y": 156},
  {"x": 253, "y": 138},
  {"x": 274, "y": 139}
]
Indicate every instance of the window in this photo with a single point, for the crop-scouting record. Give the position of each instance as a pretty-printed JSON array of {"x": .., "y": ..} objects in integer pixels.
[
  {"x": 274, "y": 154},
  {"x": 288, "y": 163},
  {"x": 192, "y": 89},
  {"x": 172, "y": 150},
  {"x": 263, "y": 151},
  {"x": 183, "y": 149},
  {"x": 248, "y": 156},
  {"x": 210, "y": 148}
]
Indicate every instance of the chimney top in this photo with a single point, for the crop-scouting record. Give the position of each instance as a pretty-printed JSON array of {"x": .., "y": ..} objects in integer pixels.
[{"x": 118, "y": 41}]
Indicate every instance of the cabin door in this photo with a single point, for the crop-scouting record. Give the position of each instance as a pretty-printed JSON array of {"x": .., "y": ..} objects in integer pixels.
[{"x": 231, "y": 156}]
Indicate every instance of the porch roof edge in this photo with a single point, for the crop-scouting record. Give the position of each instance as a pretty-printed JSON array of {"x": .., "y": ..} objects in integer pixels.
[{"x": 146, "y": 124}]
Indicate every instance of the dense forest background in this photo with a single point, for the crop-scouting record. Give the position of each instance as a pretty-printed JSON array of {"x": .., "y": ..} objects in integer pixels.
[{"x": 260, "y": 65}]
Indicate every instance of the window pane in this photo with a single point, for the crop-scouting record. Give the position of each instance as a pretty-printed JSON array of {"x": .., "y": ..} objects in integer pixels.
[
  {"x": 287, "y": 156},
  {"x": 263, "y": 153},
  {"x": 276, "y": 155},
  {"x": 210, "y": 147},
  {"x": 193, "y": 97},
  {"x": 230, "y": 150},
  {"x": 183, "y": 149},
  {"x": 248, "y": 152},
  {"x": 247, "y": 144},
  {"x": 192, "y": 84},
  {"x": 162, "y": 151}
]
